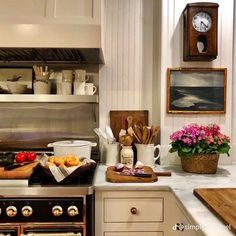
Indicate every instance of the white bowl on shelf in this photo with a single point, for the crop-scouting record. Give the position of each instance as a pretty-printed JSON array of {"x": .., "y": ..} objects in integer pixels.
[{"x": 16, "y": 88}]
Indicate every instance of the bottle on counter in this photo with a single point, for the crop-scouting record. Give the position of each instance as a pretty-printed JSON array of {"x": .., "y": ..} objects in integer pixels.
[{"x": 127, "y": 156}]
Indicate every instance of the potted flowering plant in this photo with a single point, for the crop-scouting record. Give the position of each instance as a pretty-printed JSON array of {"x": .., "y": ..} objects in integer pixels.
[{"x": 199, "y": 146}]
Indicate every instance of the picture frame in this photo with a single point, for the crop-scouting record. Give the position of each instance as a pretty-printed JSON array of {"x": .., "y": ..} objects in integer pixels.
[{"x": 196, "y": 90}]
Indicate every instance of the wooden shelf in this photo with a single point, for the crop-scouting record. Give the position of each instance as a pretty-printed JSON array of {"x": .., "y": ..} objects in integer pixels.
[{"x": 48, "y": 98}]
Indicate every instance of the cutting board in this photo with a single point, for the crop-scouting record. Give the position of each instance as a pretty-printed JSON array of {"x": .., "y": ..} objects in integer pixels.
[
  {"x": 118, "y": 119},
  {"x": 22, "y": 172},
  {"x": 221, "y": 201},
  {"x": 115, "y": 177}
]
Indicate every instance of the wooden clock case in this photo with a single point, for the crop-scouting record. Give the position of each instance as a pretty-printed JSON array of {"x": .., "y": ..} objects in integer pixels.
[{"x": 192, "y": 36}]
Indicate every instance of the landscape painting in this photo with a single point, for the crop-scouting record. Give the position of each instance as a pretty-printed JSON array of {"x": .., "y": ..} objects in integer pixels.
[{"x": 196, "y": 90}]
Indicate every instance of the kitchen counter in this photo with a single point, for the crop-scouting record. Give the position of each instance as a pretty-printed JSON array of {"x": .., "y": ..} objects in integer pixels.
[{"x": 182, "y": 185}]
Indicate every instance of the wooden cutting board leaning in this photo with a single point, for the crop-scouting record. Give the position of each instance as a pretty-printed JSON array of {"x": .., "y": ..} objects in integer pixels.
[
  {"x": 22, "y": 172},
  {"x": 222, "y": 202},
  {"x": 118, "y": 120}
]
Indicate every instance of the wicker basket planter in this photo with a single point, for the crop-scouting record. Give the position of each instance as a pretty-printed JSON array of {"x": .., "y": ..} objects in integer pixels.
[{"x": 200, "y": 163}]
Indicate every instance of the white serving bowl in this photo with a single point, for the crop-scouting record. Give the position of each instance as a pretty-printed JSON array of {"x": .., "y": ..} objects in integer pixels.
[{"x": 16, "y": 88}]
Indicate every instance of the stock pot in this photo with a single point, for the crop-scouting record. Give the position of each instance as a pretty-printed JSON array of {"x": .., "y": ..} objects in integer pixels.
[{"x": 79, "y": 148}]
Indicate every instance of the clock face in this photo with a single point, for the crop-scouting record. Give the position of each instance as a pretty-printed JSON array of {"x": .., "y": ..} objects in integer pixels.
[{"x": 202, "y": 21}]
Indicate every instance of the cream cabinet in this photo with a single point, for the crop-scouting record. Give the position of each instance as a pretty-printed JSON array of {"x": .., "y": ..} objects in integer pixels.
[
  {"x": 51, "y": 11},
  {"x": 136, "y": 213}
]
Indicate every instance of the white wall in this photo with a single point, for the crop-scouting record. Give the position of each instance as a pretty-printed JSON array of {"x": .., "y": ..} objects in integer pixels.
[
  {"x": 171, "y": 56},
  {"x": 134, "y": 76},
  {"x": 234, "y": 94},
  {"x": 121, "y": 76}
]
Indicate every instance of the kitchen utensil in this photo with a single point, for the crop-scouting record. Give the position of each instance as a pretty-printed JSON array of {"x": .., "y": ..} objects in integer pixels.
[
  {"x": 138, "y": 132},
  {"x": 80, "y": 75},
  {"x": 101, "y": 135},
  {"x": 90, "y": 89},
  {"x": 132, "y": 133},
  {"x": 110, "y": 136},
  {"x": 154, "y": 131},
  {"x": 16, "y": 88},
  {"x": 130, "y": 121},
  {"x": 22, "y": 172},
  {"x": 41, "y": 86},
  {"x": 143, "y": 175},
  {"x": 145, "y": 135},
  {"x": 221, "y": 201},
  {"x": 79, "y": 88},
  {"x": 79, "y": 148},
  {"x": 115, "y": 177},
  {"x": 118, "y": 120},
  {"x": 14, "y": 78},
  {"x": 163, "y": 173},
  {"x": 145, "y": 154},
  {"x": 112, "y": 153},
  {"x": 16, "y": 165}
]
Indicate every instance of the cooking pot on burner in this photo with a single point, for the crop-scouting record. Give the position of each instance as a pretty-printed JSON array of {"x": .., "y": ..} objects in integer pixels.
[{"x": 79, "y": 148}]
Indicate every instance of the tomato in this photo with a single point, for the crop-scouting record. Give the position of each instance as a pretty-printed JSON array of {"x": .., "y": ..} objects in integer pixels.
[
  {"x": 21, "y": 157},
  {"x": 31, "y": 156}
]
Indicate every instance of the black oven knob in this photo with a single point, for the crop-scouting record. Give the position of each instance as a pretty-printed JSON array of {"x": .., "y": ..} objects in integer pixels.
[
  {"x": 11, "y": 211},
  {"x": 72, "y": 211},
  {"x": 57, "y": 210},
  {"x": 27, "y": 211}
]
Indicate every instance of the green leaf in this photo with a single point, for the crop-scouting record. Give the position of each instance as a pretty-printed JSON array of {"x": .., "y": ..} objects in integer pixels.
[{"x": 173, "y": 149}]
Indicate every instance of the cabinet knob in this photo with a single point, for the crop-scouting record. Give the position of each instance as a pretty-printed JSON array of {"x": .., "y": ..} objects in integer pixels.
[{"x": 133, "y": 210}]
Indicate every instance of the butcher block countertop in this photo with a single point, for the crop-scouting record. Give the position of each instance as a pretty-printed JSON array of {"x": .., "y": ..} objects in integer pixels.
[{"x": 182, "y": 184}]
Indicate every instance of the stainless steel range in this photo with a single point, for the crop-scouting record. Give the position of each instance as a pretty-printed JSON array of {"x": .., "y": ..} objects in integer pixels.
[{"x": 45, "y": 207}]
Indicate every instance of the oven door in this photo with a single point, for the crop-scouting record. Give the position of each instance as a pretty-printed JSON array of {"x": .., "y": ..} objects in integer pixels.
[
  {"x": 8, "y": 231},
  {"x": 53, "y": 230}
]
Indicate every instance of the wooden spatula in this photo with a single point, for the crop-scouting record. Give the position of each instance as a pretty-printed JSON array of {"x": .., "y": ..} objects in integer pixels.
[
  {"x": 130, "y": 121},
  {"x": 155, "y": 130}
]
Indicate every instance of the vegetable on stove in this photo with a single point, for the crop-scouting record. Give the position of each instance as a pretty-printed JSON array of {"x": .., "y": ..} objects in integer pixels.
[
  {"x": 7, "y": 158},
  {"x": 21, "y": 157},
  {"x": 25, "y": 156},
  {"x": 31, "y": 156}
]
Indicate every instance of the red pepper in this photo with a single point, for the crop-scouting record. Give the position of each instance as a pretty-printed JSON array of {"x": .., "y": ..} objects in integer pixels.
[
  {"x": 31, "y": 156},
  {"x": 21, "y": 157}
]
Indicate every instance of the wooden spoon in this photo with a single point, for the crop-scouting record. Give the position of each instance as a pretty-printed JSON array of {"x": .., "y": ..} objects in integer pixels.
[
  {"x": 132, "y": 133},
  {"x": 138, "y": 132},
  {"x": 155, "y": 131},
  {"x": 145, "y": 135},
  {"x": 130, "y": 121}
]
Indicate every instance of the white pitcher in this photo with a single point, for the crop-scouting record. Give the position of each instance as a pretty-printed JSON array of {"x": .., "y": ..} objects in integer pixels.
[{"x": 145, "y": 154}]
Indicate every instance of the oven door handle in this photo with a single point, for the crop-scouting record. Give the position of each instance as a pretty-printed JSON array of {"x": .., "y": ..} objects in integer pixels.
[{"x": 52, "y": 234}]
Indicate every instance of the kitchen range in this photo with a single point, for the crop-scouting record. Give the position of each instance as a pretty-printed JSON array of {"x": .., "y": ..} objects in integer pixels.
[{"x": 45, "y": 207}]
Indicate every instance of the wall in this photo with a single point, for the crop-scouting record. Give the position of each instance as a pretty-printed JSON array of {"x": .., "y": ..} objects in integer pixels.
[
  {"x": 138, "y": 51},
  {"x": 126, "y": 79},
  {"x": 171, "y": 56},
  {"x": 234, "y": 94}
]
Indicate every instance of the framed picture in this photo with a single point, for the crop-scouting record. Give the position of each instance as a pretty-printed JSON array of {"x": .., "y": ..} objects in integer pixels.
[
  {"x": 196, "y": 90},
  {"x": 17, "y": 75}
]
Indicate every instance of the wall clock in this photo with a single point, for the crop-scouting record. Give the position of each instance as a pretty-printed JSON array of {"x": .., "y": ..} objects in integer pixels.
[{"x": 200, "y": 31}]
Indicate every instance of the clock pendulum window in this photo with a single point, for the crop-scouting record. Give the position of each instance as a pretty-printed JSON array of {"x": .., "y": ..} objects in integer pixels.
[{"x": 200, "y": 31}]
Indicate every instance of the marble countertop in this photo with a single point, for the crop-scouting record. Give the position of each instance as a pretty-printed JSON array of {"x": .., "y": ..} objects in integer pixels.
[{"x": 182, "y": 185}]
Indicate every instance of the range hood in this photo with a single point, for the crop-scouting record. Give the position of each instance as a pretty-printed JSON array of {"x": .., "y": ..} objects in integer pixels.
[{"x": 50, "y": 43}]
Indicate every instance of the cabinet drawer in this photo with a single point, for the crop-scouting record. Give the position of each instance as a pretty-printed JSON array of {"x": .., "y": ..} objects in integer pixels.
[
  {"x": 134, "y": 234},
  {"x": 118, "y": 210}
]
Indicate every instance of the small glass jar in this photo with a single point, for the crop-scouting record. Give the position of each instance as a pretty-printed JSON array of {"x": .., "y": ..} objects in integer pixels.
[{"x": 127, "y": 156}]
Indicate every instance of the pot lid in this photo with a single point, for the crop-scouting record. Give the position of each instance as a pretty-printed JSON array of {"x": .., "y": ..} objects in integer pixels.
[{"x": 71, "y": 143}]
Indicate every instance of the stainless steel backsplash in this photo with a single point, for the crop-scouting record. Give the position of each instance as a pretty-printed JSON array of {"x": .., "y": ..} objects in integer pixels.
[{"x": 34, "y": 125}]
